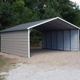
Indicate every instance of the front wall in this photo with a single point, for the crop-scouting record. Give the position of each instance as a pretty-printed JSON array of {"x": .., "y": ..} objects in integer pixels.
[{"x": 15, "y": 43}]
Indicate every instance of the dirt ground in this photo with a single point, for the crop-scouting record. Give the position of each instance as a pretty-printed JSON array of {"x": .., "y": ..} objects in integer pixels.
[
  {"x": 47, "y": 57},
  {"x": 8, "y": 63},
  {"x": 45, "y": 65}
]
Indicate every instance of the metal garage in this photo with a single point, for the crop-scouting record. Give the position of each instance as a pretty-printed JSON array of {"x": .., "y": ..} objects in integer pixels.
[{"x": 56, "y": 34}]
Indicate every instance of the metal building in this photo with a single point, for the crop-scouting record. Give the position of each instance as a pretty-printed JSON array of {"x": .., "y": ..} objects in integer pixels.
[{"x": 56, "y": 34}]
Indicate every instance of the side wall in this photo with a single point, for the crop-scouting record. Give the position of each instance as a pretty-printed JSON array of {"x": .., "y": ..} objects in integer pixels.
[
  {"x": 15, "y": 43},
  {"x": 67, "y": 40}
]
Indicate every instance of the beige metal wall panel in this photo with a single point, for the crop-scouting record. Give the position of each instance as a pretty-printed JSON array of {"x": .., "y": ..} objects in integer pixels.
[{"x": 15, "y": 43}]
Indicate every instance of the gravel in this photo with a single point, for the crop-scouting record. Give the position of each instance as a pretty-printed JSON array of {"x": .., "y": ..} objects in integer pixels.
[
  {"x": 57, "y": 65},
  {"x": 33, "y": 72}
]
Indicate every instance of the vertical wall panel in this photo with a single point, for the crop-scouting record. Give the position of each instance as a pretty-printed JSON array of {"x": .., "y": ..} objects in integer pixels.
[
  {"x": 60, "y": 40},
  {"x": 74, "y": 40},
  {"x": 49, "y": 40},
  {"x": 44, "y": 40},
  {"x": 54, "y": 40},
  {"x": 67, "y": 40}
]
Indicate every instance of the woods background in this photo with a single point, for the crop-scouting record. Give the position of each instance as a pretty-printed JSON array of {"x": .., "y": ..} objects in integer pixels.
[{"x": 14, "y": 12}]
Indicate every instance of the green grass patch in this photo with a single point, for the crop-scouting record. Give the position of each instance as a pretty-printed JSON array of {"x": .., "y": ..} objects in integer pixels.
[
  {"x": 2, "y": 62},
  {"x": 2, "y": 77}
]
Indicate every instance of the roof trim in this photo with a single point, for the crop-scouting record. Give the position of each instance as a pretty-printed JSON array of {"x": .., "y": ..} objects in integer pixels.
[
  {"x": 69, "y": 23},
  {"x": 51, "y": 20}
]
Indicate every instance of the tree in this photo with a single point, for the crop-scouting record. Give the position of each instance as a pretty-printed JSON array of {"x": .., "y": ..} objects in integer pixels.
[
  {"x": 77, "y": 22},
  {"x": 35, "y": 37},
  {"x": 50, "y": 12},
  {"x": 5, "y": 15},
  {"x": 14, "y": 12},
  {"x": 18, "y": 6}
]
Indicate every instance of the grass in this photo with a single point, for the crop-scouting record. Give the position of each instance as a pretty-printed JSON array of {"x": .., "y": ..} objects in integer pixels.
[
  {"x": 2, "y": 62},
  {"x": 2, "y": 77},
  {"x": 5, "y": 63}
]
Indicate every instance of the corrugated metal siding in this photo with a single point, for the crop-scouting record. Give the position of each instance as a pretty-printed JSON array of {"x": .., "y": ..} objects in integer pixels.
[
  {"x": 67, "y": 40},
  {"x": 54, "y": 40},
  {"x": 74, "y": 40},
  {"x": 49, "y": 40},
  {"x": 44, "y": 40},
  {"x": 60, "y": 40},
  {"x": 15, "y": 43}
]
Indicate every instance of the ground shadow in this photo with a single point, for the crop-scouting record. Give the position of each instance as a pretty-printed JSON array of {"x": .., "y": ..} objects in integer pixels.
[{"x": 42, "y": 51}]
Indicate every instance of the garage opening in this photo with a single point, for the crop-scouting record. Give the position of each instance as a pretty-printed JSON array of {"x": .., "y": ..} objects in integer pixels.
[
  {"x": 55, "y": 36},
  {"x": 37, "y": 43},
  {"x": 35, "y": 39}
]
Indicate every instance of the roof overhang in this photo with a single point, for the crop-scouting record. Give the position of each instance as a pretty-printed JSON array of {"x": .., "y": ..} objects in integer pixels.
[
  {"x": 44, "y": 25},
  {"x": 54, "y": 24}
]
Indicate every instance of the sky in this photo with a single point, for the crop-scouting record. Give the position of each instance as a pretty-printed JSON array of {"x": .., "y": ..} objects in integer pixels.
[{"x": 77, "y": 1}]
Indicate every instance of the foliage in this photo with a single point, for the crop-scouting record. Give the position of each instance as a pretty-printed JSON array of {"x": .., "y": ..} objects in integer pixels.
[
  {"x": 5, "y": 15},
  {"x": 2, "y": 63},
  {"x": 35, "y": 37},
  {"x": 18, "y": 6},
  {"x": 14, "y": 12}
]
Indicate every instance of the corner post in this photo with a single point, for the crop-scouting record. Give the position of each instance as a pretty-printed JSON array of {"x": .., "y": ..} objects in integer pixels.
[
  {"x": 78, "y": 41},
  {"x": 28, "y": 43}
]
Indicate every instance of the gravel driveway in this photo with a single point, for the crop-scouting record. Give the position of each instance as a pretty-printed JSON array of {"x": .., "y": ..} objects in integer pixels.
[{"x": 57, "y": 65}]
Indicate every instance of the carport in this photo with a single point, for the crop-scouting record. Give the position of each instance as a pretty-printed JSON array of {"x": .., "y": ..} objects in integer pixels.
[{"x": 57, "y": 34}]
